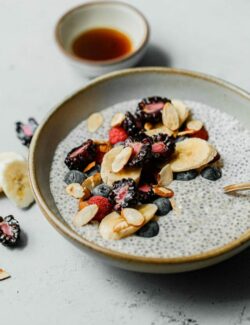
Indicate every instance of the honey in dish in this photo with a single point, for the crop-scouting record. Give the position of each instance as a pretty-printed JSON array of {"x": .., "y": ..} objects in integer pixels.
[{"x": 100, "y": 44}]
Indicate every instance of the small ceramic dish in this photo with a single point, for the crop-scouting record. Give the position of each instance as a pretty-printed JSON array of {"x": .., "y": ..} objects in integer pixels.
[
  {"x": 103, "y": 14},
  {"x": 212, "y": 226}
]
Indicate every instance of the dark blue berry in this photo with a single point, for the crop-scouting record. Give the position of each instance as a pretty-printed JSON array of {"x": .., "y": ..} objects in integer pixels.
[
  {"x": 102, "y": 190},
  {"x": 186, "y": 176},
  {"x": 163, "y": 205},
  {"x": 211, "y": 173},
  {"x": 74, "y": 176},
  {"x": 151, "y": 229}
]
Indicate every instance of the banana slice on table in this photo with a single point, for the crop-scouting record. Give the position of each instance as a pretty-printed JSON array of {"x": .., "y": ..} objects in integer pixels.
[
  {"x": 15, "y": 183},
  {"x": 107, "y": 174},
  {"x": 5, "y": 158},
  {"x": 192, "y": 154}
]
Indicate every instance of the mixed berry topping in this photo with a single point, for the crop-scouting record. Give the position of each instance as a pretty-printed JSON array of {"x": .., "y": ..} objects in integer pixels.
[
  {"x": 163, "y": 147},
  {"x": 9, "y": 231},
  {"x": 141, "y": 153},
  {"x": 149, "y": 109},
  {"x": 26, "y": 131},
  {"x": 124, "y": 193},
  {"x": 117, "y": 134},
  {"x": 145, "y": 193},
  {"x": 79, "y": 157},
  {"x": 104, "y": 206},
  {"x": 132, "y": 123}
]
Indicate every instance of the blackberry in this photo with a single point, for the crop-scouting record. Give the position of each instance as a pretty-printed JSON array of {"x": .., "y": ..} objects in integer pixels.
[
  {"x": 149, "y": 109},
  {"x": 124, "y": 193},
  {"x": 141, "y": 152},
  {"x": 163, "y": 147},
  {"x": 146, "y": 193},
  {"x": 9, "y": 231},
  {"x": 79, "y": 157},
  {"x": 25, "y": 132},
  {"x": 132, "y": 124}
]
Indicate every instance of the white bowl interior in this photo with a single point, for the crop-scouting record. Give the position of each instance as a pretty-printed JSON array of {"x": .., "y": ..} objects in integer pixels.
[{"x": 107, "y": 14}]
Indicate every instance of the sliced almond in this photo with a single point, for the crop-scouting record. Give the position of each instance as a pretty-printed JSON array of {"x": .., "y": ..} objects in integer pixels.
[
  {"x": 195, "y": 125},
  {"x": 170, "y": 117},
  {"x": 180, "y": 134},
  {"x": 165, "y": 176},
  {"x": 162, "y": 129},
  {"x": 192, "y": 154},
  {"x": 108, "y": 224},
  {"x": 95, "y": 120},
  {"x": 108, "y": 176},
  {"x": 120, "y": 226},
  {"x": 104, "y": 147},
  {"x": 85, "y": 215},
  {"x": 99, "y": 141},
  {"x": 82, "y": 204},
  {"x": 147, "y": 210},
  {"x": 86, "y": 193},
  {"x": 121, "y": 159},
  {"x": 89, "y": 166},
  {"x": 182, "y": 110},
  {"x": 92, "y": 181},
  {"x": 163, "y": 192},
  {"x": 148, "y": 126},
  {"x": 132, "y": 216},
  {"x": 75, "y": 190},
  {"x": 117, "y": 119},
  {"x": 175, "y": 207},
  {"x": 4, "y": 275}
]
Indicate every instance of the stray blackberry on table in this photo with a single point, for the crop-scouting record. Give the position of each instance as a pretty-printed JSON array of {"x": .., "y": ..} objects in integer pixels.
[{"x": 9, "y": 231}]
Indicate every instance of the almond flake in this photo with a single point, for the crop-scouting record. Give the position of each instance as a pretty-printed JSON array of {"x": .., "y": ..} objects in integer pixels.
[
  {"x": 104, "y": 148},
  {"x": 170, "y": 117},
  {"x": 181, "y": 109},
  {"x": 176, "y": 209},
  {"x": 92, "y": 181},
  {"x": 95, "y": 120},
  {"x": 148, "y": 126},
  {"x": 121, "y": 159},
  {"x": 117, "y": 119},
  {"x": 89, "y": 166},
  {"x": 132, "y": 216},
  {"x": 179, "y": 134},
  {"x": 99, "y": 141},
  {"x": 120, "y": 226},
  {"x": 165, "y": 176},
  {"x": 75, "y": 190},
  {"x": 195, "y": 125},
  {"x": 163, "y": 192},
  {"x": 4, "y": 275},
  {"x": 85, "y": 215}
]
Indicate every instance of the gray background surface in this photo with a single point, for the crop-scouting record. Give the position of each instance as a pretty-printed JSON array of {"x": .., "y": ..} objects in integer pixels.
[{"x": 52, "y": 281}]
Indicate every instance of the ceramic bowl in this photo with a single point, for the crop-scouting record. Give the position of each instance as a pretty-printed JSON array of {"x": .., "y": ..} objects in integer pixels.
[
  {"x": 112, "y": 89},
  {"x": 111, "y": 14}
]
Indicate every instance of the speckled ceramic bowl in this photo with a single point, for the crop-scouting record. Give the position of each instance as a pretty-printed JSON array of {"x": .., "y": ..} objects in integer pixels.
[{"x": 123, "y": 86}]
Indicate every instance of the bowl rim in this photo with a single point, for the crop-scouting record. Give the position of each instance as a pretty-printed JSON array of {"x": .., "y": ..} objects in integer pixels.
[
  {"x": 71, "y": 234},
  {"x": 133, "y": 53}
]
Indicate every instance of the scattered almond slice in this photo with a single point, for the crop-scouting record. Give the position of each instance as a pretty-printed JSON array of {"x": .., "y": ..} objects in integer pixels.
[
  {"x": 95, "y": 120},
  {"x": 89, "y": 166},
  {"x": 75, "y": 190},
  {"x": 148, "y": 126},
  {"x": 165, "y": 176},
  {"x": 108, "y": 176},
  {"x": 195, "y": 125},
  {"x": 170, "y": 117},
  {"x": 132, "y": 216},
  {"x": 162, "y": 129},
  {"x": 181, "y": 109},
  {"x": 120, "y": 226},
  {"x": 85, "y": 215},
  {"x": 175, "y": 207},
  {"x": 92, "y": 181},
  {"x": 192, "y": 154},
  {"x": 117, "y": 119},
  {"x": 121, "y": 159},
  {"x": 4, "y": 275},
  {"x": 163, "y": 192}
]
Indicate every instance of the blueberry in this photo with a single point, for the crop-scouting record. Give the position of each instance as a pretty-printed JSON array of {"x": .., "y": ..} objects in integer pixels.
[
  {"x": 211, "y": 173},
  {"x": 94, "y": 170},
  {"x": 179, "y": 139},
  {"x": 163, "y": 205},
  {"x": 101, "y": 190},
  {"x": 74, "y": 176},
  {"x": 151, "y": 229},
  {"x": 186, "y": 176}
]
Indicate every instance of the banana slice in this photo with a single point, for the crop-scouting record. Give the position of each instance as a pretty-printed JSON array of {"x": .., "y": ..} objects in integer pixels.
[
  {"x": 15, "y": 183},
  {"x": 192, "y": 154},
  {"x": 5, "y": 158},
  {"x": 108, "y": 176},
  {"x": 181, "y": 109}
]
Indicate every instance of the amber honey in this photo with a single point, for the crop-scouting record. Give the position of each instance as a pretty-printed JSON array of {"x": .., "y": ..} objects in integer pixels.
[{"x": 100, "y": 44}]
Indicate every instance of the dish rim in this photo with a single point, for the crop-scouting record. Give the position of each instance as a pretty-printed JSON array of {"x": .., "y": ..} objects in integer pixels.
[
  {"x": 71, "y": 234},
  {"x": 102, "y": 63}
]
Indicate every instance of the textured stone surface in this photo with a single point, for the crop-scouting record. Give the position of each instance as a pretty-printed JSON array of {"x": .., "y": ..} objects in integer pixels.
[{"x": 53, "y": 282}]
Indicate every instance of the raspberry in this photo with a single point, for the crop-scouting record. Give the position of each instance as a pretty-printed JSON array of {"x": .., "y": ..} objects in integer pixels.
[
  {"x": 79, "y": 157},
  {"x": 124, "y": 193},
  {"x": 117, "y": 134},
  {"x": 149, "y": 109},
  {"x": 9, "y": 231},
  {"x": 104, "y": 206},
  {"x": 202, "y": 134}
]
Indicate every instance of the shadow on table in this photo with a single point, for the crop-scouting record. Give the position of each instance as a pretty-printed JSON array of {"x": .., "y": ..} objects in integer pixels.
[{"x": 155, "y": 56}]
